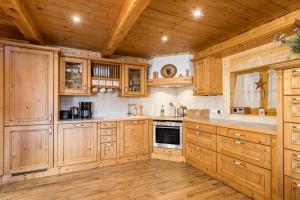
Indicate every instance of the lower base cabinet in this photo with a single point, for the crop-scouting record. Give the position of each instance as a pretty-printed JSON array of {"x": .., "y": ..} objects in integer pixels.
[
  {"x": 291, "y": 188},
  {"x": 250, "y": 179},
  {"x": 134, "y": 137},
  {"x": 108, "y": 150},
  {"x": 28, "y": 148},
  {"x": 201, "y": 158},
  {"x": 77, "y": 143}
]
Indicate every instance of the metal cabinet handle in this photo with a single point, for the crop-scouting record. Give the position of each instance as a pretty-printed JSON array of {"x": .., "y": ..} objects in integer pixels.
[
  {"x": 238, "y": 142},
  {"x": 296, "y": 99},
  {"x": 78, "y": 125},
  {"x": 239, "y": 135},
  {"x": 197, "y": 132},
  {"x": 50, "y": 130},
  {"x": 296, "y": 155},
  {"x": 108, "y": 144},
  {"x": 239, "y": 163},
  {"x": 297, "y": 185},
  {"x": 51, "y": 118}
]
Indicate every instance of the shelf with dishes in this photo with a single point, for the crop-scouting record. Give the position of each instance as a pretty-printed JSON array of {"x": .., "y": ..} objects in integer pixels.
[{"x": 105, "y": 76}]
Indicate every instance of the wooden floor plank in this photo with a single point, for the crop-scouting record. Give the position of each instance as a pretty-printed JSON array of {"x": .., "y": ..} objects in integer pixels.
[{"x": 144, "y": 180}]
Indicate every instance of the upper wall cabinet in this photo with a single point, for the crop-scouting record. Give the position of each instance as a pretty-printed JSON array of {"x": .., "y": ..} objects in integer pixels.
[
  {"x": 28, "y": 86},
  {"x": 134, "y": 80},
  {"x": 208, "y": 79},
  {"x": 75, "y": 77}
]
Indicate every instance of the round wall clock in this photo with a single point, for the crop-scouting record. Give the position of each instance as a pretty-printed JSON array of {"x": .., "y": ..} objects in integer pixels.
[{"x": 168, "y": 71}]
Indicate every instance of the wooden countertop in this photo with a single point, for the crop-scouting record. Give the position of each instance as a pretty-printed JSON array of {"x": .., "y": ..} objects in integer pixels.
[{"x": 247, "y": 126}]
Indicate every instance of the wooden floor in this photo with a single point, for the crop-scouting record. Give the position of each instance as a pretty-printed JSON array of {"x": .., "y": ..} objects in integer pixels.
[{"x": 153, "y": 179}]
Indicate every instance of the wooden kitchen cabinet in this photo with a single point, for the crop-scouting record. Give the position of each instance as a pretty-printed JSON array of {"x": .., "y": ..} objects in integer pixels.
[
  {"x": 75, "y": 76},
  {"x": 77, "y": 143},
  {"x": 28, "y": 86},
  {"x": 134, "y": 137},
  {"x": 208, "y": 75},
  {"x": 291, "y": 188},
  {"x": 28, "y": 148},
  {"x": 134, "y": 80}
]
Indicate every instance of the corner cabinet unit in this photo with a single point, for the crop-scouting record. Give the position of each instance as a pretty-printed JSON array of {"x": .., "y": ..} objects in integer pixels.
[
  {"x": 28, "y": 88},
  {"x": 75, "y": 76},
  {"x": 208, "y": 77},
  {"x": 134, "y": 138},
  {"x": 77, "y": 143},
  {"x": 28, "y": 149},
  {"x": 134, "y": 80}
]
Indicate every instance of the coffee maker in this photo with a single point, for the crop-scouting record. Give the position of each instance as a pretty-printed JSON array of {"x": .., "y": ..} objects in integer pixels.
[{"x": 85, "y": 110}]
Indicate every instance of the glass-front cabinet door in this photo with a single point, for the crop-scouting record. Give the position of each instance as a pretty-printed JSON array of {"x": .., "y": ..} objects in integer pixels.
[
  {"x": 134, "y": 80},
  {"x": 74, "y": 76}
]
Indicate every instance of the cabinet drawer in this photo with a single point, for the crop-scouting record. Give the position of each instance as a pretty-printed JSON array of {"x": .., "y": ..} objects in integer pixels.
[
  {"x": 108, "y": 138},
  {"x": 170, "y": 152},
  {"x": 108, "y": 125},
  {"x": 256, "y": 154},
  {"x": 292, "y": 163},
  {"x": 108, "y": 150},
  {"x": 202, "y": 139},
  {"x": 291, "y": 188},
  {"x": 108, "y": 131},
  {"x": 292, "y": 109},
  {"x": 253, "y": 180},
  {"x": 201, "y": 158},
  {"x": 245, "y": 135},
  {"x": 201, "y": 127},
  {"x": 291, "y": 79},
  {"x": 292, "y": 136}
]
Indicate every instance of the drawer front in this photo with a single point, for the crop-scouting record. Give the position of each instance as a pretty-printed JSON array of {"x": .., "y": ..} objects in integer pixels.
[
  {"x": 201, "y": 158},
  {"x": 108, "y": 124},
  {"x": 253, "y": 180},
  {"x": 292, "y": 163},
  {"x": 291, "y": 79},
  {"x": 292, "y": 109},
  {"x": 108, "y": 131},
  {"x": 108, "y": 150},
  {"x": 291, "y": 188},
  {"x": 108, "y": 138},
  {"x": 170, "y": 152},
  {"x": 256, "y": 154},
  {"x": 245, "y": 135},
  {"x": 292, "y": 136},
  {"x": 201, "y": 127},
  {"x": 202, "y": 139}
]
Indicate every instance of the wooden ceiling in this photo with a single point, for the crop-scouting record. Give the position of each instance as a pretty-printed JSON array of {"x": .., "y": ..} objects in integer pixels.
[{"x": 222, "y": 20}]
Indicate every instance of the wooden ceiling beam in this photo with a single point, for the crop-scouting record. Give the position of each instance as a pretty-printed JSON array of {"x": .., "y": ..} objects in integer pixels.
[
  {"x": 130, "y": 12},
  {"x": 18, "y": 14},
  {"x": 254, "y": 37}
]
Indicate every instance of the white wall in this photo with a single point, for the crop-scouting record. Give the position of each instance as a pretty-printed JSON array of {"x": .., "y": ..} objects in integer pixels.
[{"x": 182, "y": 62}]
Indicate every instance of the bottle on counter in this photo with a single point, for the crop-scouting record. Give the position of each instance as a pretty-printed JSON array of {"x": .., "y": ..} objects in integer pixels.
[{"x": 162, "y": 111}]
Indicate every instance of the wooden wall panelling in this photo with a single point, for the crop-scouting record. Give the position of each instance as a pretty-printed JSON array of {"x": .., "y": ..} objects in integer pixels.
[
  {"x": 19, "y": 14},
  {"x": 28, "y": 98},
  {"x": 130, "y": 12},
  {"x": 1, "y": 108}
]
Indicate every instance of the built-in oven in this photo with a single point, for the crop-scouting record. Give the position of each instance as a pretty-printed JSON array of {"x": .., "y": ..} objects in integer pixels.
[{"x": 167, "y": 134}]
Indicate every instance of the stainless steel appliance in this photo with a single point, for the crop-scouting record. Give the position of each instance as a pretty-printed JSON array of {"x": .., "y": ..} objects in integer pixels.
[
  {"x": 167, "y": 134},
  {"x": 74, "y": 112}
]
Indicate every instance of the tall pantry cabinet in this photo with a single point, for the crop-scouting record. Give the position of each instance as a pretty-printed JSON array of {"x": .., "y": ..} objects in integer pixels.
[{"x": 28, "y": 108}]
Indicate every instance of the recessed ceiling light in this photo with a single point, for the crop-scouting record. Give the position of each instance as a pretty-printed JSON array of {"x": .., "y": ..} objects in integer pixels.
[
  {"x": 76, "y": 18},
  {"x": 164, "y": 38},
  {"x": 197, "y": 13}
]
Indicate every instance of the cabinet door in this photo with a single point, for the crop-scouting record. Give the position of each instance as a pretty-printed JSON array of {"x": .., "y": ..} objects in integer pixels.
[
  {"x": 134, "y": 80},
  {"x": 291, "y": 188},
  {"x": 74, "y": 76},
  {"x": 77, "y": 143},
  {"x": 253, "y": 180},
  {"x": 291, "y": 78},
  {"x": 28, "y": 86},
  {"x": 134, "y": 137},
  {"x": 108, "y": 150},
  {"x": 28, "y": 148},
  {"x": 200, "y": 77},
  {"x": 292, "y": 136}
]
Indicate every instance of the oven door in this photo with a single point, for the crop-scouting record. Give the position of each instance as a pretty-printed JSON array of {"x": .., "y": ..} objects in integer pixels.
[{"x": 168, "y": 137}]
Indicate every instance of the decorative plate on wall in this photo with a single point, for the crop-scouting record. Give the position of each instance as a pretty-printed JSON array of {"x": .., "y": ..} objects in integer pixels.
[{"x": 168, "y": 71}]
